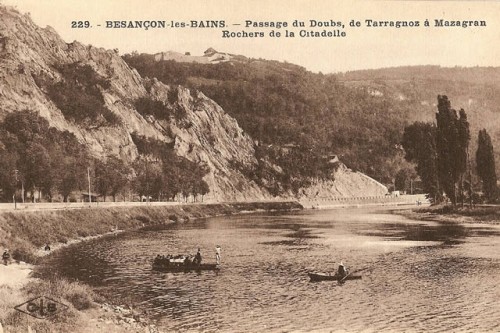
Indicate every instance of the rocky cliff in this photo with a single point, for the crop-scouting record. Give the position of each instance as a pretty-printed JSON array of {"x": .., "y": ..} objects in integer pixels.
[
  {"x": 30, "y": 56},
  {"x": 28, "y": 51},
  {"x": 346, "y": 183}
]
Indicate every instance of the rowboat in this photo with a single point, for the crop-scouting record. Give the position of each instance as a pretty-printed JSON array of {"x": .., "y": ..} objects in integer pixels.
[
  {"x": 316, "y": 277},
  {"x": 181, "y": 265}
]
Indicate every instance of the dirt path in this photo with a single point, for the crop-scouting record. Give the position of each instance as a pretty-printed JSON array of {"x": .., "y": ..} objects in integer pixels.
[{"x": 14, "y": 275}]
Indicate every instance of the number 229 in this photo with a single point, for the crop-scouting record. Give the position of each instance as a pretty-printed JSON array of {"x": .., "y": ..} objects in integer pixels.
[{"x": 80, "y": 24}]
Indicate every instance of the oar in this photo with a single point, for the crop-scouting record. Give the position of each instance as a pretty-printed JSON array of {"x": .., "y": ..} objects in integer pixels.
[
  {"x": 345, "y": 277},
  {"x": 357, "y": 271}
]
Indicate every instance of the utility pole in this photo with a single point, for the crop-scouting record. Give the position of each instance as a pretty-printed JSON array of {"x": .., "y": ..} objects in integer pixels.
[
  {"x": 15, "y": 188},
  {"x": 470, "y": 179},
  {"x": 88, "y": 176}
]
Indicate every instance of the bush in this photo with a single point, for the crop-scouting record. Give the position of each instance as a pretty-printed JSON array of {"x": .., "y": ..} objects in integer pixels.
[
  {"x": 22, "y": 254},
  {"x": 80, "y": 299},
  {"x": 80, "y": 296},
  {"x": 173, "y": 217},
  {"x": 79, "y": 96},
  {"x": 147, "y": 106},
  {"x": 143, "y": 219}
]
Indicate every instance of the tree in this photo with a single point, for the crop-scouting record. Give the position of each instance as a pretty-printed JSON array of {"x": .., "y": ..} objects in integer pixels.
[
  {"x": 485, "y": 164},
  {"x": 118, "y": 175},
  {"x": 452, "y": 139},
  {"x": 463, "y": 151},
  {"x": 148, "y": 180},
  {"x": 404, "y": 180},
  {"x": 101, "y": 179},
  {"x": 72, "y": 171},
  {"x": 8, "y": 176},
  {"x": 45, "y": 158},
  {"x": 37, "y": 169},
  {"x": 419, "y": 143}
]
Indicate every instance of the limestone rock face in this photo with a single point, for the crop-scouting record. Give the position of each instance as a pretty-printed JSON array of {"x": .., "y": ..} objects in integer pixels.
[
  {"x": 346, "y": 183},
  {"x": 205, "y": 134}
]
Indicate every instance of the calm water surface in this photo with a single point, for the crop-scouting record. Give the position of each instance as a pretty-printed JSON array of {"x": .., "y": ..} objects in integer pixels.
[{"x": 418, "y": 277}]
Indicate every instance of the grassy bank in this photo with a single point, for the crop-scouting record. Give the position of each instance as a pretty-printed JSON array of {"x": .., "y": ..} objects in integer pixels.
[
  {"x": 26, "y": 232},
  {"x": 85, "y": 312},
  {"x": 478, "y": 214}
]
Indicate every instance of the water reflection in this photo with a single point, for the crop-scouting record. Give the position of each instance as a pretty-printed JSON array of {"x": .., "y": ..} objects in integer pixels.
[{"x": 418, "y": 277}]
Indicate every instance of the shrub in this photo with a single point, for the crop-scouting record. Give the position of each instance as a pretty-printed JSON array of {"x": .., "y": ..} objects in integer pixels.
[
  {"x": 143, "y": 219},
  {"x": 23, "y": 254},
  {"x": 173, "y": 217},
  {"x": 80, "y": 296},
  {"x": 79, "y": 96},
  {"x": 148, "y": 106}
]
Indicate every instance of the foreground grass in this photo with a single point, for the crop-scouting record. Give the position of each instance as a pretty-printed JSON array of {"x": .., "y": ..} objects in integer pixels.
[
  {"x": 86, "y": 311},
  {"x": 75, "y": 295}
]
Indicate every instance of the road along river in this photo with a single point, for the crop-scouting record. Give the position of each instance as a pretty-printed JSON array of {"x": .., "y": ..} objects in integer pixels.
[{"x": 419, "y": 277}]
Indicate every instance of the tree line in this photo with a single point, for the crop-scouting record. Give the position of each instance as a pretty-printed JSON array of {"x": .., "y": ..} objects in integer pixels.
[
  {"x": 39, "y": 162},
  {"x": 443, "y": 160}
]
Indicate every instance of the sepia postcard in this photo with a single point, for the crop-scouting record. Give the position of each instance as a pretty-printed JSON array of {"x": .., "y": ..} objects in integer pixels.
[{"x": 249, "y": 166}]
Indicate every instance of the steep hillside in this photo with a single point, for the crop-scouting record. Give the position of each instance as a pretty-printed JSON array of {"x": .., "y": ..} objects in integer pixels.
[
  {"x": 296, "y": 116},
  {"x": 41, "y": 72},
  {"x": 358, "y": 115},
  {"x": 158, "y": 138},
  {"x": 476, "y": 90},
  {"x": 347, "y": 183}
]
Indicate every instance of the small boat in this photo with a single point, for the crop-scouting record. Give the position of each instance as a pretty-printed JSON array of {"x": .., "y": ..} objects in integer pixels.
[
  {"x": 181, "y": 264},
  {"x": 316, "y": 277}
]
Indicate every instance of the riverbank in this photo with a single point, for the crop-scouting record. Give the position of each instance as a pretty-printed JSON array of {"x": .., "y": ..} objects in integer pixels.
[
  {"x": 449, "y": 214},
  {"x": 85, "y": 312},
  {"x": 367, "y": 201},
  {"x": 26, "y": 233}
]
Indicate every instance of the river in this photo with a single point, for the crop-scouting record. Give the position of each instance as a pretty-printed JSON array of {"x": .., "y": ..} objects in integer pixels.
[{"x": 418, "y": 276}]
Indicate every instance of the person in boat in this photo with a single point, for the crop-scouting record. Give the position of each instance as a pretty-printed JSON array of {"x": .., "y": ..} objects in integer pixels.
[
  {"x": 197, "y": 257},
  {"x": 342, "y": 271},
  {"x": 6, "y": 257},
  {"x": 159, "y": 259},
  {"x": 217, "y": 254}
]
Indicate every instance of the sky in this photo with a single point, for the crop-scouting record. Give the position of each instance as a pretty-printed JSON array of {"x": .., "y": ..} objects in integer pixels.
[{"x": 362, "y": 47}]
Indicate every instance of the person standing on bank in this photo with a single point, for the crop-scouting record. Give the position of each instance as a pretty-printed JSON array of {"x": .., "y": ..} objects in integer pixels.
[
  {"x": 6, "y": 257},
  {"x": 197, "y": 257},
  {"x": 217, "y": 254}
]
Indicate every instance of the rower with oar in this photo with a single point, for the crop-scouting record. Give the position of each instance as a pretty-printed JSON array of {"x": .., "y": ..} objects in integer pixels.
[
  {"x": 348, "y": 273},
  {"x": 342, "y": 272}
]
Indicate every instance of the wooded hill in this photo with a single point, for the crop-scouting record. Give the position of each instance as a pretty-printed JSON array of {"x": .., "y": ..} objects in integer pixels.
[
  {"x": 285, "y": 107},
  {"x": 275, "y": 129},
  {"x": 358, "y": 115},
  {"x": 475, "y": 89}
]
